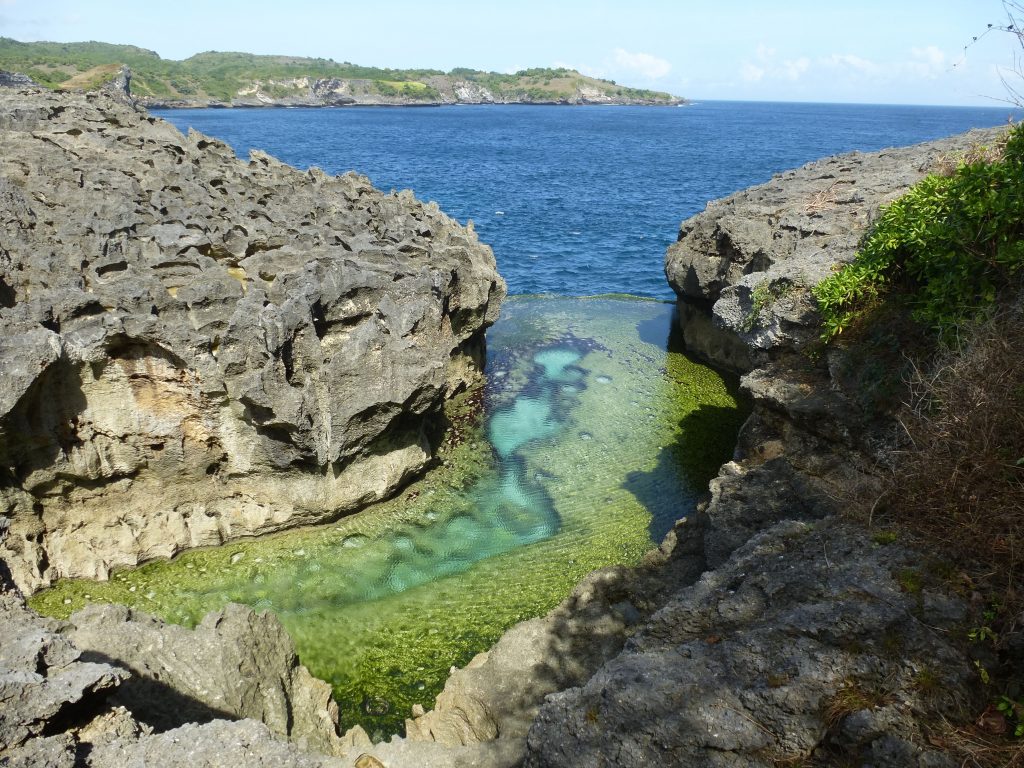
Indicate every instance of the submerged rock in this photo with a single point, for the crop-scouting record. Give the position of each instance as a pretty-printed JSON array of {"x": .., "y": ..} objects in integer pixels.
[{"x": 198, "y": 349}]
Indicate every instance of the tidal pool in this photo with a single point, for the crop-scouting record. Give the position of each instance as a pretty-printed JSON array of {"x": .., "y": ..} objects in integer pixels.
[{"x": 596, "y": 435}]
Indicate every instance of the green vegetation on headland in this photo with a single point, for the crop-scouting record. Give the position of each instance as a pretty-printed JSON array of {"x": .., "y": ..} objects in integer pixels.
[
  {"x": 947, "y": 248},
  {"x": 249, "y": 80}
]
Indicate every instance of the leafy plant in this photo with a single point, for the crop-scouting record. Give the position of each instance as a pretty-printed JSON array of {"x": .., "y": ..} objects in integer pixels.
[
  {"x": 1013, "y": 711},
  {"x": 950, "y": 245}
]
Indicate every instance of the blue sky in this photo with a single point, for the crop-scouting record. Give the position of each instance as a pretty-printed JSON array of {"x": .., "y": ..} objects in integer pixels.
[{"x": 897, "y": 51}]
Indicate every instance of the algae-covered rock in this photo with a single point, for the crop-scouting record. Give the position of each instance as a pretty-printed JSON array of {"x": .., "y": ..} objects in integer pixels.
[{"x": 198, "y": 349}]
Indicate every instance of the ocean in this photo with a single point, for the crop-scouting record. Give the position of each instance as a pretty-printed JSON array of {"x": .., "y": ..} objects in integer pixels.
[
  {"x": 577, "y": 201},
  {"x": 598, "y": 432}
]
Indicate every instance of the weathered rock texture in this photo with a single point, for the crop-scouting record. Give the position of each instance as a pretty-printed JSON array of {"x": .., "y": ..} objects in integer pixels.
[
  {"x": 65, "y": 706},
  {"x": 196, "y": 348},
  {"x": 234, "y": 664},
  {"x": 801, "y": 642},
  {"x": 743, "y": 267}
]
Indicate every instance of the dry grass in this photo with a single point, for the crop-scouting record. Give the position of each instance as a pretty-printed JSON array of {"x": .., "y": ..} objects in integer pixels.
[
  {"x": 852, "y": 697},
  {"x": 975, "y": 749},
  {"x": 960, "y": 482},
  {"x": 957, "y": 491},
  {"x": 826, "y": 198},
  {"x": 948, "y": 162}
]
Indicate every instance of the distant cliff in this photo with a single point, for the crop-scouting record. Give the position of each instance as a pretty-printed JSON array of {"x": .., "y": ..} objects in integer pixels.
[{"x": 247, "y": 80}]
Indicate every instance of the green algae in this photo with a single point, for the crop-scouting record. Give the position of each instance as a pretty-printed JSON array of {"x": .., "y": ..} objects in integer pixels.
[{"x": 600, "y": 440}]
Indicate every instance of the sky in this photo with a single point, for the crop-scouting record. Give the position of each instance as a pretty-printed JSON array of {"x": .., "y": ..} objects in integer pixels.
[{"x": 866, "y": 51}]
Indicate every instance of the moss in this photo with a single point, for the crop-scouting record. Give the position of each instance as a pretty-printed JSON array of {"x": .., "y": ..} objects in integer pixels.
[{"x": 656, "y": 426}]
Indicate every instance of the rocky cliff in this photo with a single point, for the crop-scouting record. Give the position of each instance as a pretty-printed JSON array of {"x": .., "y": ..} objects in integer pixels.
[
  {"x": 768, "y": 629},
  {"x": 197, "y": 348},
  {"x": 435, "y": 90}
]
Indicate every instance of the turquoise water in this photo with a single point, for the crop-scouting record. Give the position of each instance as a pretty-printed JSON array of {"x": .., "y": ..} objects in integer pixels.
[{"x": 594, "y": 437}]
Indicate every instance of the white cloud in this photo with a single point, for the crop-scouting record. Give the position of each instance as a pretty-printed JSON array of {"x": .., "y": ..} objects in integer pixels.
[
  {"x": 643, "y": 64},
  {"x": 751, "y": 73},
  {"x": 766, "y": 65},
  {"x": 796, "y": 68},
  {"x": 928, "y": 62},
  {"x": 850, "y": 61}
]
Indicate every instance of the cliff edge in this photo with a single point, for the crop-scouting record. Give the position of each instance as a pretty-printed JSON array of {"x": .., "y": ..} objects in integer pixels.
[{"x": 198, "y": 349}]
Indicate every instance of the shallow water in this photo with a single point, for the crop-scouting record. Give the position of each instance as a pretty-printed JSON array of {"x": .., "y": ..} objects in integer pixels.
[{"x": 595, "y": 439}]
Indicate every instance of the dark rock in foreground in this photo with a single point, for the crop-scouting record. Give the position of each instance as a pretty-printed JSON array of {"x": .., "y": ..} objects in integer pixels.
[
  {"x": 63, "y": 705},
  {"x": 197, "y": 349}
]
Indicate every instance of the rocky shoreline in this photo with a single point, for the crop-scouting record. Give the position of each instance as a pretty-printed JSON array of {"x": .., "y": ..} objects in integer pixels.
[
  {"x": 436, "y": 90},
  {"x": 199, "y": 349},
  {"x": 765, "y": 630}
]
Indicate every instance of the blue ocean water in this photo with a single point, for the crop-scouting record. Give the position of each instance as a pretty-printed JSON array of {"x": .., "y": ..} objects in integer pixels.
[{"x": 576, "y": 201}]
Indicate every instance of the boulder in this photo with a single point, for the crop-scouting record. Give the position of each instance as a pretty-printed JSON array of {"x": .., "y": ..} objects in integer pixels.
[
  {"x": 198, "y": 349},
  {"x": 235, "y": 664}
]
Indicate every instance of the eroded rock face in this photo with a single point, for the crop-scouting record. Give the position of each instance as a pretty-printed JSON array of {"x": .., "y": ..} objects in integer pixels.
[
  {"x": 742, "y": 268},
  {"x": 234, "y": 664},
  {"x": 196, "y": 348},
  {"x": 116, "y": 687},
  {"x": 802, "y": 643},
  {"x": 43, "y": 678}
]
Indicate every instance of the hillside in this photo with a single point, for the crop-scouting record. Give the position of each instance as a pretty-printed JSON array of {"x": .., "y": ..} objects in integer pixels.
[{"x": 243, "y": 79}]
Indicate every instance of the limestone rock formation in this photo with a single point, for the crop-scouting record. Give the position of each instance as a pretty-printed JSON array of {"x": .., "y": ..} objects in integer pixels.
[
  {"x": 802, "y": 643},
  {"x": 234, "y": 664},
  {"x": 121, "y": 87},
  {"x": 42, "y": 679},
  {"x": 743, "y": 267},
  {"x": 117, "y": 688},
  {"x": 196, "y": 348}
]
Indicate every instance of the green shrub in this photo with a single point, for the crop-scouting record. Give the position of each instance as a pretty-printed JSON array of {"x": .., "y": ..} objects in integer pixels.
[{"x": 949, "y": 246}]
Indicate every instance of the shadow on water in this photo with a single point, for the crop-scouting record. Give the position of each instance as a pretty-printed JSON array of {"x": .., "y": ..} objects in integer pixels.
[
  {"x": 582, "y": 463},
  {"x": 705, "y": 439}
]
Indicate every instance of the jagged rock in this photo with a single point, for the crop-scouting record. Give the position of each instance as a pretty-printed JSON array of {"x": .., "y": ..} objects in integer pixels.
[
  {"x": 198, "y": 349},
  {"x": 16, "y": 80},
  {"x": 217, "y": 744},
  {"x": 802, "y": 644},
  {"x": 235, "y": 664},
  {"x": 43, "y": 680},
  {"x": 749, "y": 260},
  {"x": 121, "y": 86},
  {"x": 59, "y": 703}
]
